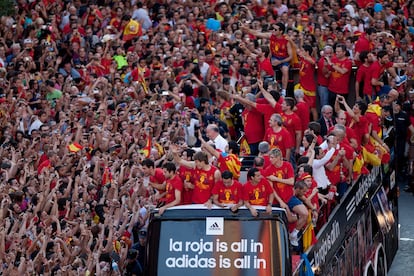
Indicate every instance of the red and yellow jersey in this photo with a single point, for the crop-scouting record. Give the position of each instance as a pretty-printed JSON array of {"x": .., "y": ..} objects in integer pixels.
[
  {"x": 228, "y": 195},
  {"x": 279, "y": 46},
  {"x": 257, "y": 194}
]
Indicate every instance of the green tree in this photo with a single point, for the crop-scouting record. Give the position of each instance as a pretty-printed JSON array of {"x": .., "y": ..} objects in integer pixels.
[{"x": 7, "y": 7}]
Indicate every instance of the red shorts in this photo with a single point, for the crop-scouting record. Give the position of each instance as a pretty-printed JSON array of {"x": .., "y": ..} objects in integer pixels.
[{"x": 310, "y": 100}]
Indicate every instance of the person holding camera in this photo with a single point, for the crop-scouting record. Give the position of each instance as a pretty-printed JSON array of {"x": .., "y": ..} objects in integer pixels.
[{"x": 340, "y": 67}]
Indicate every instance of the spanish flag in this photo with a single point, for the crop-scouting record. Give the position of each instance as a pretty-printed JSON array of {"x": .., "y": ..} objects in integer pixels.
[
  {"x": 131, "y": 30},
  {"x": 244, "y": 147},
  {"x": 309, "y": 237},
  {"x": 233, "y": 164},
  {"x": 75, "y": 147},
  {"x": 148, "y": 145}
]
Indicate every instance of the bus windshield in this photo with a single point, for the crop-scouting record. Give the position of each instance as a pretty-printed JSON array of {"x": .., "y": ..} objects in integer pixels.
[{"x": 215, "y": 244}]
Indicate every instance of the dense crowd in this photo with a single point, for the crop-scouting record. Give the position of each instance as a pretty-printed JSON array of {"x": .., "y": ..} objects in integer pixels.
[{"x": 109, "y": 109}]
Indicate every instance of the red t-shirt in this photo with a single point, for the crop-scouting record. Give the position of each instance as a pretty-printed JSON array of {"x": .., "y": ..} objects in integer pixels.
[
  {"x": 186, "y": 174},
  {"x": 278, "y": 46},
  {"x": 253, "y": 125},
  {"x": 363, "y": 74},
  {"x": 307, "y": 75},
  {"x": 257, "y": 194},
  {"x": 158, "y": 176},
  {"x": 339, "y": 83},
  {"x": 285, "y": 171},
  {"x": 266, "y": 160},
  {"x": 292, "y": 123},
  {"x": 67, "y": 29},
  {"x": 321, "y": 79},
  {"x": 139, "y": 72},
  {"x": 266, "y": 66},
  {"x": 280, "y": 140},
  {"x": 302, "y": 110},
  {"x": 173, "y": 184},
  {"x": 350, "y": 134},
  {"x": 334, "y": 175},
  {"x": 363, "y": 44},
  {"x": 116, "y": 23},
  {"x": 215, "y": 71},
  {"x": 364, "y": 3},
  {"x": 203, "y": 184},
  {"x": 377, "y": 71},
  {"x": 267, "y": 110},
  {"x": 314, "y": 200},
  {"x": 178, "y": 63},
  {"x": 107, "y": 64},
  {"x": 360, "y": 128},
  {"x": 259, "y": 10},
  {"x": 228, "y": 195}
]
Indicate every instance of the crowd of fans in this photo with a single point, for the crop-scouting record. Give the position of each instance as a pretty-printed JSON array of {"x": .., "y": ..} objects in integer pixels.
[{"x": 109, "y": 109}]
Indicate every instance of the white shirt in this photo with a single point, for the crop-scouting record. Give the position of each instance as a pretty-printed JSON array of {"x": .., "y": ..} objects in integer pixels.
[
  {"x": 282, "y": 9},
  {"x": 141, "y": 15},
  {"x": 220, "y": 143},
  {"x": 35, "y": 125},
  {"x": 319, "y": 173},
  {"x": 191, "y": 128},
  {"x": 204, "y": 70}
]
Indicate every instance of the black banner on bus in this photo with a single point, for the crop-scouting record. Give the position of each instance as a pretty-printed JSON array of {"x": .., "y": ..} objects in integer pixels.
[{"x": 343, "y": 218}]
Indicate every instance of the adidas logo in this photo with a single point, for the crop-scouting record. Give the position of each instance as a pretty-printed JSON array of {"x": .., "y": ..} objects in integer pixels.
[{"x": 214, "y": 226}]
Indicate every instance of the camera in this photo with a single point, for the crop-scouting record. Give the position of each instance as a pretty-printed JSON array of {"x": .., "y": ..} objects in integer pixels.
[{"x": 225, "y": 66}]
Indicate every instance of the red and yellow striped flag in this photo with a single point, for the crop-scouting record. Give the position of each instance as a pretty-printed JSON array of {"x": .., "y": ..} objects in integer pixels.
[
  {"x": 147, "y": 149},
  {"x": 233, "y": 165},
  {"x": 75, "y": 147},
  {"x": 244, "y": 147}
]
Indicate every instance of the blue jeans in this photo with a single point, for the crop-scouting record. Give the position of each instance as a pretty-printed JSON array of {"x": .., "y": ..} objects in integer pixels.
[{"x": 323, "y": 95}]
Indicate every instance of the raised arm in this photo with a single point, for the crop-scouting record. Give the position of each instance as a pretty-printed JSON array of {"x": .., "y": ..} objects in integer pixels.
[
  {"x": 340, "y": 99},
  {"x": 208, "y": 147},
  {"x": 256, "y": 33},
  {"x": 179, "y": 160},
  {"x": 242, "y": 100}
]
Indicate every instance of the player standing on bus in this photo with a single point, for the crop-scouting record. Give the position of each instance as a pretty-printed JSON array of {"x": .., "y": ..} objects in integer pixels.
[{"x": 280, "y": 49}]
